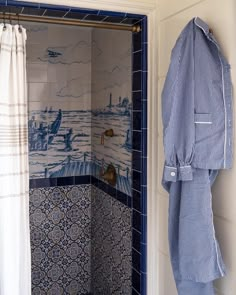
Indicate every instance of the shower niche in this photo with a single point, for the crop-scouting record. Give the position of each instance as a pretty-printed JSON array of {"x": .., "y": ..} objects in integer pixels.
[
  {"x": 79, "y": 85},
  {"x": 87, "y": 101}
]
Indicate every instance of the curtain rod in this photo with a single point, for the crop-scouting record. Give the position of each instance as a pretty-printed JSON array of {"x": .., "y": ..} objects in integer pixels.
[{"x": 70, "y": 22}]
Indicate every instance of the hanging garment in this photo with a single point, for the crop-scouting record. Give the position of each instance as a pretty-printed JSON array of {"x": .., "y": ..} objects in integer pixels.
[
  {"x": 197, "y": 121},
  {"x": 15, "y": 256}
]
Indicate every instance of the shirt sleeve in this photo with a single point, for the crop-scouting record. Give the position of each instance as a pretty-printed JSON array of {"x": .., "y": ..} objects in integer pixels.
[{"x": 178, "y": 112}]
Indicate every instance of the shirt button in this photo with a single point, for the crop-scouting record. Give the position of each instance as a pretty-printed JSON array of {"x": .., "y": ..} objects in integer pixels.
[{"x": 172, "y": 173}]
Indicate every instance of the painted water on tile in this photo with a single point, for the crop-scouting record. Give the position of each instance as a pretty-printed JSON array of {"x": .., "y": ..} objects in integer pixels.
[
  {"x": 59, "y": 143},
  {"x": 112, "y": 104},
  {"x": 79, "y": 86}
]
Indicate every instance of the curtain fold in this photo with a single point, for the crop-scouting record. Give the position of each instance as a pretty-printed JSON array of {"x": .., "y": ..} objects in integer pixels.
[{"x": 15, "y": 262}]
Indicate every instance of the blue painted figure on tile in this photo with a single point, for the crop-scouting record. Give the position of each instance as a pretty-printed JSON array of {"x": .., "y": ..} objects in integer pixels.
[
  {"x": 69, "y": 138},
  {"x": 42, "y": 136}
]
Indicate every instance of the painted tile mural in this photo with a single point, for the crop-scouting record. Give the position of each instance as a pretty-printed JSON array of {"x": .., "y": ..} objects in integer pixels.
[
  {"x": 79, "y": 84},
  {"x": 112, "y": 105},
  {"x": 59, "y": 88}
]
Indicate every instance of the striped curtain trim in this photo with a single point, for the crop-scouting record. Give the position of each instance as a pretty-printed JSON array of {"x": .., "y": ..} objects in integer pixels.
[
  {"x": 14, "y": 195},
  {"x": 14, "y": 154},
  {"x": 13, "y": 104},
  {"x": 14, "y": 174},
  {"x": 13, "y": 116}
]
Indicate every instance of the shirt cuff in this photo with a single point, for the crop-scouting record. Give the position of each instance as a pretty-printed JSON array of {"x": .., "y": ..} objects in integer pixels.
[
  {"x": 185, "y": 173},
  {"x": 170, "y": 173}
]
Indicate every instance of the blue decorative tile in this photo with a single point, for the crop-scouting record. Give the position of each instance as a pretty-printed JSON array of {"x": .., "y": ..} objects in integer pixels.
[
  {"x": 75, "y": 14},
  {"x": 144, "y": 142},
  {"x": 85, "y": 11},
  {"x": 130, "y": 21},
  {"x": 137, "y": 205},
  {"x": 136, "y": 180},
  {"x": 136, "y": 82},
  {"x": 137, "y": 61},
  {"x": 143, "y": 230},
  {"x": 112, "y": 13},
  {"x": 136, "y": 220},
  {"x": 10, "y": 9},
  {"x": 144, "y": 199},
  {"x": 134, "y": 292},
  {"x": 136, "y": 280},
  {"x": 144, "y": 84},
  {"x": 96, "y": 18},
  {"x": 144, "y": 171},
  {"x": 54, "y": 7},
  {"x": 136, "y": 259},
  {"x": 143, "y": 258},
  {"x": 144, "y": 56},
  {"x": 143, "y": 283},
  {"x": 136, "y": 160},
  {"x": 136, "y": 239},
  {"x": 121, "y": 197},
  {"x": 82, "y": 179},
  {"x": 137, "y": 140},
  {"x": 32, "y": 11},
  {"x": 144, "y": 30},
  {"x": 137, "y": 120},
  {"x": 113, "y": 19},
  {"x": 133, "y": 15},
  {"x": 42, "y": 182},
  {"x": 22, "y": 3},
  {"x": 137, "y": 103},
  {"x": 144, "y": 114},
  {"x": 55, "y": 13},
  {"x": 137, "y": 41},
  {"x": 64, "y": 181}
]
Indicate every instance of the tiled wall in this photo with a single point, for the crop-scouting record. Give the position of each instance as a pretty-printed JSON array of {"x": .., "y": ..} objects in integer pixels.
[
  {"x": 59, "y": 91},
  {"x": 112, "y": 104},
  {"x": 60, "y": 224},
  {"x": 111, "y": 245}
]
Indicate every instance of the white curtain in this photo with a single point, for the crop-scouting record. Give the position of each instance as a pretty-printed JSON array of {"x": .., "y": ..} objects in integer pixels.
[{"x": 15, "y": 262}]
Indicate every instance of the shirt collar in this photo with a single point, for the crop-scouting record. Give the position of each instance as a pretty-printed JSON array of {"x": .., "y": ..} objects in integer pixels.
[{"x": 202, "y": 25}]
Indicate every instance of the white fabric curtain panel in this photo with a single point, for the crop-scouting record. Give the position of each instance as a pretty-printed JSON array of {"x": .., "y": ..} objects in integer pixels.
[{"x": 15, "y": 262}]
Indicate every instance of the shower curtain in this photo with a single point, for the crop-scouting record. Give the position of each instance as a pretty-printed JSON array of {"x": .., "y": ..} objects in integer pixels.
[{"x": 15, "y": 264}]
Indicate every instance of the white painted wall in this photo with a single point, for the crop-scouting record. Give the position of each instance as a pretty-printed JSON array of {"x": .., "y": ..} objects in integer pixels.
[{"x": 173, "y": 16}]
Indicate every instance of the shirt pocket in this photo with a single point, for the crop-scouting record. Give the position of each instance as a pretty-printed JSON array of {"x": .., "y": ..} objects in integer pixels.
[{"x": 203, "y": 126}]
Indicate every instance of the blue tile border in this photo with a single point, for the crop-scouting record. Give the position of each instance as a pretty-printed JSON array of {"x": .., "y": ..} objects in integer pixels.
[{"x": 59, "y": 181}]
